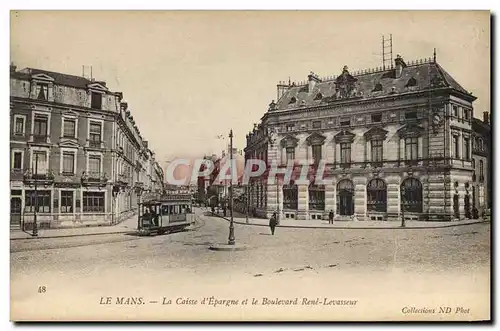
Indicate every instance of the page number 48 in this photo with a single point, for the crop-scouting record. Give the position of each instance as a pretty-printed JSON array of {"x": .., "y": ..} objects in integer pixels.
[{"x": 42, "y": 289}]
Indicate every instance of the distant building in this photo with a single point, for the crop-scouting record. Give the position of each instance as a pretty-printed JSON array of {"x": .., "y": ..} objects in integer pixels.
[
  {"x": 77, "y": 141},
  {"x": 481, "y": 163},
  {"x": 395, "y": 140}
]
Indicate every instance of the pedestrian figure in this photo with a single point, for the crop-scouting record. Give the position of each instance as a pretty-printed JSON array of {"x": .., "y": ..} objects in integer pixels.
[
  {"x": 330, "y": 217},
  {"x": 272, "y": 223}
]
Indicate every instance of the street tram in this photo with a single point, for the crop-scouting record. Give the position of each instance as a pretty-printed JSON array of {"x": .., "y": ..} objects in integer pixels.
[{"x": 172, "y": 212}]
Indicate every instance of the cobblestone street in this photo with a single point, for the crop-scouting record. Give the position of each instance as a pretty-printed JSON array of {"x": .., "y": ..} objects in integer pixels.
[{"x": 334, "y": 263}]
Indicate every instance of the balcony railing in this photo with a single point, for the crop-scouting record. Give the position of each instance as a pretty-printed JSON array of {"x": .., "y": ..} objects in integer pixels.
[
  {"x": 123, "y": 178},
  {"x": 44, "y": 178},
  {"x": 94, "y": 178}
]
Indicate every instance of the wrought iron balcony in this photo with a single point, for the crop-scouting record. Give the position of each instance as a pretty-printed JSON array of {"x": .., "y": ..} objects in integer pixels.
[
  {"x": 94, "y": 178},
  {"x": 123, "y": 178},
  {"x": 42, "y": 177}
]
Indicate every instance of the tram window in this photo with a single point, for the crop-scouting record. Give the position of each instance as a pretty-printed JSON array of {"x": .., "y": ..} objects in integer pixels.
[{"x": 164, "y": 210}]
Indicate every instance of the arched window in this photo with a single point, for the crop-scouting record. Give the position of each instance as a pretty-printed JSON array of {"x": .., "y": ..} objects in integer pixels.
[
  {"x": 377, "y": 195},
  {"x": 316, "y": 197},
  {"x": 290, "y": 196},
  {"x": 411, "y": 195}
]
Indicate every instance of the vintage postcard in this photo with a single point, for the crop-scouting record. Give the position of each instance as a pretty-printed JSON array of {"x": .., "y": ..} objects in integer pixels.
[{"x": 250, "y": 166}]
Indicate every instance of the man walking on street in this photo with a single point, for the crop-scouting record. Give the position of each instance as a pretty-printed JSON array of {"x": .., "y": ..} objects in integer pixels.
[
  {"x": 272, "y": 223},
  {"x": 330, "y": 217}
]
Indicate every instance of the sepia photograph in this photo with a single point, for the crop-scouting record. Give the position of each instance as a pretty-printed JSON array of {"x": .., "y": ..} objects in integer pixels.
[{"x": 250, "y": 165}]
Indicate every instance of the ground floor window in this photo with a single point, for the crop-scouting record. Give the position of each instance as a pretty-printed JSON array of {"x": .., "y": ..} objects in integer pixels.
[
  {"x": 377, "y": 195},
  {"x": 67, "y": 201},
  {"x": 316, "y": 197},
  {"x": 93, "y": 202},
  {"x": 40, "y": 201},
  {"x": 290, "y": 197},
  {"x": 411, "y": 195}
]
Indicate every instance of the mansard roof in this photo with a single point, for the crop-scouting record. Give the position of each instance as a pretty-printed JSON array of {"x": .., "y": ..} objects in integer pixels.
[
  {"x": 414, "y": 77},
  {"x": 58, "y": 78}
]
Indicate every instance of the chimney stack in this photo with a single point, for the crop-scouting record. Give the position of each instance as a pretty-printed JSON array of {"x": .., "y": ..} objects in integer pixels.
[
  {"x": 486, "y": 117},
  {"x": 123, "y": 106},
  {"x": 313, "y": 79},
  {"x": 400, "y": 64}
]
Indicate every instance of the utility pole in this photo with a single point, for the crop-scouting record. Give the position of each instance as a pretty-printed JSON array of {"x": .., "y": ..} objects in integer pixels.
[
  {"x": 277, "y": 199},
  {"x": 231, "y": 239},
  {"x": 35, "y": 176}
]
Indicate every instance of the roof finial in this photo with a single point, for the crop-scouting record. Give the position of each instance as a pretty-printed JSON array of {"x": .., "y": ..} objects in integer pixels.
[
  {"x": 289, "y": 81},
  {"x": 434, "y": 57}
]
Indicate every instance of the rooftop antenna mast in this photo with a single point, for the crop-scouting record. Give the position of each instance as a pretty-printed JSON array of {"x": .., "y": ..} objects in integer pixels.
[
  {"x": 387, "y": 52},
  {"x": 83, "y": 72}
]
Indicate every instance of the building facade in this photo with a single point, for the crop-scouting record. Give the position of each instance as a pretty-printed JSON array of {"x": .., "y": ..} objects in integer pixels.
[
  {"x": 395, "y": 142},
  {"x": 76, "y": 153},
  {"x": 481, "y": 164}
]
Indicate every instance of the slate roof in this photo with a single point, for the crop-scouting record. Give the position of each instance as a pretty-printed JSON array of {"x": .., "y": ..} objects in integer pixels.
[
  {"x": 414, "y": 77},
  {"x": 59, "y": 78}
]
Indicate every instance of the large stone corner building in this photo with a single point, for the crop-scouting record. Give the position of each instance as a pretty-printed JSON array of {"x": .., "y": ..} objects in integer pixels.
[
  {"x": 395, "y": 141},
  {"x": 76, "y": 142}
]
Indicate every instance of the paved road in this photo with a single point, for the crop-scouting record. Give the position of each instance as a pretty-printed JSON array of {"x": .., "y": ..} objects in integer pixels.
[{"x": 406, "y": 266}]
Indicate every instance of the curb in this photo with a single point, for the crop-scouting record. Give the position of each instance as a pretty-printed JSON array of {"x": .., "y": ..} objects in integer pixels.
[
  {"x": 72, "y": 235},
  {"x": 77, "y": 235},
  {"x": 355, "y": 228}
]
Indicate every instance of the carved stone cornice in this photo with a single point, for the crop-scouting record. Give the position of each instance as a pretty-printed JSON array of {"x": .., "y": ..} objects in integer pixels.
[
  {"x": 315, "y": 139},
  {"x": 411, "y": 130},
  {"x": 376, "y": 133},
  {"x": 289, "y": 141},
  {"x": 344, "y": 136}
]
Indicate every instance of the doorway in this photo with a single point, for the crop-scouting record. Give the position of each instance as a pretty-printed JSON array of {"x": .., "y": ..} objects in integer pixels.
[
  {"x": 15, "y": 211},
  {"x": 345, "y": 198}
]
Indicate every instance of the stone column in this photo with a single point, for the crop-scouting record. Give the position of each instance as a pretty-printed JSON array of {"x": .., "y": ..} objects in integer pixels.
[
  {"x": 330, "y": 198},
  {"x": 271, "y": 199},
  {"x": 360, "y": 198},
  {"x": 393, "y": 197},
  {"x": 303, "y": 203}
]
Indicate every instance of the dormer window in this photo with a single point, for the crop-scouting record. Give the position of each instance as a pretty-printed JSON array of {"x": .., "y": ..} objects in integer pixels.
[
  {"x": 293, "y": 100},
  {"x": 411, "y": 82},
  {"x": 377, "y": 88},
  {"x": 376, "y": 118},
  {"x": 319, "y": 96},
  {"x": 43, "y": 91},
  {"x": 96, "y": 100}
]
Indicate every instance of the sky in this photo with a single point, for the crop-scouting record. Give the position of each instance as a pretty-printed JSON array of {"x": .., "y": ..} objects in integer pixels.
[{"x": 190, "y": 76}]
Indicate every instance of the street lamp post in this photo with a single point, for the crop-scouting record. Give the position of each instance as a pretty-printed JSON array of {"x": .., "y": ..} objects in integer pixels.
[
  {"x": 35, "y": 176},
  {"x": 231, "y": 239},
  {"x": 247, "y": 203},
  {"x": 403, "y": 196},
  {"x": 138, "y": 191}
]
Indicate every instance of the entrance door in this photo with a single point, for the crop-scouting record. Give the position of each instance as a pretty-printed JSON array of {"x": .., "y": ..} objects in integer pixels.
[
  {"x": 345, "y": 196},
  {"x": 15, "y": 211},
  {"x": 345, "y": 203}
]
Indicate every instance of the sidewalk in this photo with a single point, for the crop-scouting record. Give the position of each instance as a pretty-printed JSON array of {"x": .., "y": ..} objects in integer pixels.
[
  {"x": 128, "y": 225},
  {"x": 322, "y": 224}
]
